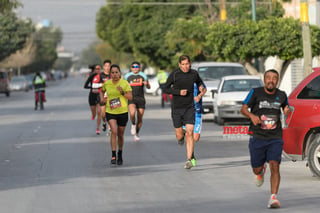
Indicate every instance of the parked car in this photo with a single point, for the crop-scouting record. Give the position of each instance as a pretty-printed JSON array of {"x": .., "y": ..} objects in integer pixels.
[
  {"x": 211, "y": 73},
  {"x": 18, "y": 83},
  {"x": 228, "y": 98},
  {"x": 301, "y": 131},
  {"x": 30, "y": 77},
  {"x": 154, "y": 86},
  {"x": 4, "y": 83}
]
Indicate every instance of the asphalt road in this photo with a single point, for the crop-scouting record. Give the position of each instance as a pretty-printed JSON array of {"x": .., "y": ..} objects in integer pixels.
[{"x": 52, "y": 161}]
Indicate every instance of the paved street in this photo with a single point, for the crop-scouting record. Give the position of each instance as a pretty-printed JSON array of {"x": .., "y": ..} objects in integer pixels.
[{"x": 51, "y": 161}]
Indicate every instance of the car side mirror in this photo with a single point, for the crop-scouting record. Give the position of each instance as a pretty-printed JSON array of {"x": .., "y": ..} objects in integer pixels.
[{"x": 213, "y": 92}]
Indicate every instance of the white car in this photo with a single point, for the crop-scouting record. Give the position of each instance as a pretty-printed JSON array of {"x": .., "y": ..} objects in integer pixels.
[
  {"x": 231, "y": 92},
  {"x": 211, "y": 73},
  {"x": 154, "y": 86}
]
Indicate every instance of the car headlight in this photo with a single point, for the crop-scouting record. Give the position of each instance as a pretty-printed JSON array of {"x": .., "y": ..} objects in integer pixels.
[{"x": 227, "y": 102}]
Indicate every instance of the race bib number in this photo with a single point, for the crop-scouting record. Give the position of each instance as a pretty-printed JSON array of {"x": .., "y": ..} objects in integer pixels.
[
  {"x": 115, "y": 103},
  {"x": 268, "y": 121}
]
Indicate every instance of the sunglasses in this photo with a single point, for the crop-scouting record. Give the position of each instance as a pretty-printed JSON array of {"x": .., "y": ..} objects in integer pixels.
[{"x": 135, "y": 66}]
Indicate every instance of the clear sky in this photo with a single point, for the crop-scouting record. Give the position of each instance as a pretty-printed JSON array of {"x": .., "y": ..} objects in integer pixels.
[{"x": 76, "y": 18}]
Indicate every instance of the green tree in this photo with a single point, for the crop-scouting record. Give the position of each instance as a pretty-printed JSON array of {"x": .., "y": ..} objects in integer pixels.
[
  {"x": 90, "y": 56},
  {"x": 141, "y": 29},
  {"x": 264, "y": 8},
  {"x": 8, "y": 5},
  {"x": 269, "y": 37},
  {"x": 14, "y": 33},
  {"x": 46, "y": 40}
]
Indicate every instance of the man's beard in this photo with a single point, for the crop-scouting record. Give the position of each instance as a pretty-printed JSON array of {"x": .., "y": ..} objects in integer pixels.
[{"x": 271, "y": 89}]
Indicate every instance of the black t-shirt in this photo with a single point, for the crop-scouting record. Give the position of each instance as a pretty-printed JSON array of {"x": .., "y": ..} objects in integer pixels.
[
  {"x": 136, "y": 83},
  {"x": 268, "y": 108},
  {"x": 104, "y": 77},
  {"x": 179, "y": 80}
]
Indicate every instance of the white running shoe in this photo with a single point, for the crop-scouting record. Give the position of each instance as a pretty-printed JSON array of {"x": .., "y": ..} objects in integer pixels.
[
  {"x": 136, "y": 137},
  {"x": 108, "y": 132},
  {"x": 259, "y": 179},
  {"x": 273, "y": 202},
  {"x": 133, "y": 129}
]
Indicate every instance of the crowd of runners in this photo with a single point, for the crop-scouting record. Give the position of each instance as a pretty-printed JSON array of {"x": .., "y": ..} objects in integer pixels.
[{"x": 116, "y": 100}]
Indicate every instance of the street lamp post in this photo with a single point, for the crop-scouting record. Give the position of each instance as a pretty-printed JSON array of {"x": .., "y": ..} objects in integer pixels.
[{"x": 306, "y": 42}]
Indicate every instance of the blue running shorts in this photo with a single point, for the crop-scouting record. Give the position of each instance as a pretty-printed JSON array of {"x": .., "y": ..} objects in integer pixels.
[
  {"x": 197, "y": 123},
  {"x": 264, "y": 150}
]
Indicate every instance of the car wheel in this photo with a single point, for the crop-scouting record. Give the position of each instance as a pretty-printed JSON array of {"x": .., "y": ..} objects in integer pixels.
[
  {"x": 314, "y": 156},
  {"x": 220, "y": 121}
]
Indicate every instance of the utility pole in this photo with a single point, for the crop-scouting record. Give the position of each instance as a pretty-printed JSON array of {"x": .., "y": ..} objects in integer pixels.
[
  {"x": 253, "y": 10},
  {"x": 223, "y": 11},
  {"x": 254, "y": 18},
  {"x": 306, "y": 41}
]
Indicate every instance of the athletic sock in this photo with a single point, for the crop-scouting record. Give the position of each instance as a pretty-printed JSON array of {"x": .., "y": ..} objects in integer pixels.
[
  {"x": 120, "y": 154},
  {"x": 114, "y": 154}
]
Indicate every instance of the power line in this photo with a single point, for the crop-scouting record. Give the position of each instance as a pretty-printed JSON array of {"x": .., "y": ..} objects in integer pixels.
[{"x": 173, "y": 3}]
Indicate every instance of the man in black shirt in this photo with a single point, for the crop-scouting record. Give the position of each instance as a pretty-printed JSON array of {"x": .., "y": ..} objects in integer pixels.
[
  {"x": 266, "y": 142},
  {"x": 180, "y": 84}
]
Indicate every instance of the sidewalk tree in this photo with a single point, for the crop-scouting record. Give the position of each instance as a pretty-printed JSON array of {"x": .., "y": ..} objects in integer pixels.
[
  {"x": 8, "y": 5},
  {"x": 46, "y": 40},
  {"x": 269, "y": 37},
  {"x": 14, "y": 33},
  {"x": 264, "y": 8},
  {"x": 141, "y": 29}
]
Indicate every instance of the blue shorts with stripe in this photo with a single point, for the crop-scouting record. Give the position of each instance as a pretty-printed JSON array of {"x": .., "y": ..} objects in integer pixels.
[{"x": 197, "y": 123}]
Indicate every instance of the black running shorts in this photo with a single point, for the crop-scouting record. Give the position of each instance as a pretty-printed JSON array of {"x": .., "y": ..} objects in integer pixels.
[
  {"x": 122, "y": 119},
  {"x": 94, "y": 99},
  {"x": 183, "y": 116},
  {"x": 140, "y": 102}
]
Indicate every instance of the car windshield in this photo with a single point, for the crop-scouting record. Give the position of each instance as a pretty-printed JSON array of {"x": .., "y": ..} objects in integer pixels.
[
  {"x": 17, "y": 79},
  {"x": 217, "y": 72},
  {"x": 239, "y": 85}
]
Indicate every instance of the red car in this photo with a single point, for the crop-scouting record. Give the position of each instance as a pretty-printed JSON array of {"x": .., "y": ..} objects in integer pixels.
[{"x": 301, "y": 132}]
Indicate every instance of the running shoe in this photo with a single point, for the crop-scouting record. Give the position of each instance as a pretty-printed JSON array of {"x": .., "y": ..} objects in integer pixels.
[
  {"x": 273, "y": 202},
  {"x": 119, "y": 161},
  {"x": 98, "y": 132},
  {"x": 113, "y": 160},
  {"x": 108, "y": 132},
  {"x": 136, "y": 137},
  {"x": 104, "y": 127},
  {"x": 133, "y": 129},
  {"x": 194, "y": 162},
  {"x": 188, "y": 164},
  {"x": 259, "y": 179},
  {"x": 92, "y": 117},
  {"x": 181, "y": 142}
]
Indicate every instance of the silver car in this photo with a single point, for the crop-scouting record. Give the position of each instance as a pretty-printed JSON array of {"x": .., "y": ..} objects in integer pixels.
[
  {"x": 211, "y": 73},
  {"x": 18, "y": 83}
]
